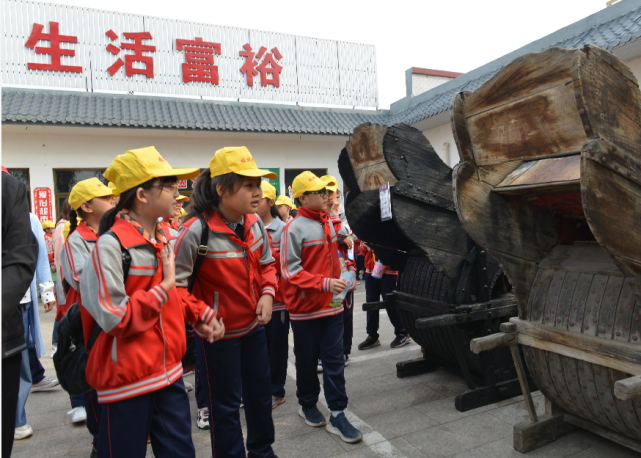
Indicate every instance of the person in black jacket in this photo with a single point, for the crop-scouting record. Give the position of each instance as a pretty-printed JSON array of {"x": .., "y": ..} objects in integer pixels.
[{"x": 19, "y": 258}]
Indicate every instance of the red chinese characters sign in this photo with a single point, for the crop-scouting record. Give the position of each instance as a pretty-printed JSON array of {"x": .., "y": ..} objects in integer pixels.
[
  {"x": 42, "y": 204},
  {"x": 198, "y": 65}
]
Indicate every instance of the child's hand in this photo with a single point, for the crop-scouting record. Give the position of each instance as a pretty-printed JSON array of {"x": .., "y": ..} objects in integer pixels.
[
  {"x": 349, "y": 242},
  {"x": 49, "y": 306},
  {"x": 212, "y": 331},
  {"x": 337, "y": 286},
  {"x": 264, "y": 309},
  {"x": 168, "y": 267},
  {"x": 336, "y": 205}
]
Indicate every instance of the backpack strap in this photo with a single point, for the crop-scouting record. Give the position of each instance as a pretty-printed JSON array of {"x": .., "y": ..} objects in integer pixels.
[
  {"x": 202, "y": 252},
  {"x": 126, "y": 263}
]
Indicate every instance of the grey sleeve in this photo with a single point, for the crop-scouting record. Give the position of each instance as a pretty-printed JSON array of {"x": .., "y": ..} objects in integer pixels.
[
  {"x": 186, "y": 247},
  {"x": 102, "y": 285}
]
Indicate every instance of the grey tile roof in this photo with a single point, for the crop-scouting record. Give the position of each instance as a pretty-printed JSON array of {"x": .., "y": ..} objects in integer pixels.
[
  {"x": 99, "y": 109},
  {"x": 610, "y": 27}
]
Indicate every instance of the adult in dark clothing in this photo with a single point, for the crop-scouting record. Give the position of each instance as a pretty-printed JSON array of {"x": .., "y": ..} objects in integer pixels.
[{"x": 19, "y": 257}]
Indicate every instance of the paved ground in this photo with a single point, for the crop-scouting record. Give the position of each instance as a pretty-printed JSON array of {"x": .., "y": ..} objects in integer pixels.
[{"x": 401, "y": 418}]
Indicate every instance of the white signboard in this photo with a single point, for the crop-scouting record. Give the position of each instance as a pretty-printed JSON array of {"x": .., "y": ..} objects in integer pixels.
[
  {"x": 65, "y": 47},
  {"x": 386, "y": 203}
]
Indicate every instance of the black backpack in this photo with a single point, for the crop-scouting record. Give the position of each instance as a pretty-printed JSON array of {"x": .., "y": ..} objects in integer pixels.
[{"x": 70, "y": 360}]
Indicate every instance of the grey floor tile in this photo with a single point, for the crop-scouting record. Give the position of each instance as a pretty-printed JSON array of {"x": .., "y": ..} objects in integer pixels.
[{"x": 400, "y": 423}]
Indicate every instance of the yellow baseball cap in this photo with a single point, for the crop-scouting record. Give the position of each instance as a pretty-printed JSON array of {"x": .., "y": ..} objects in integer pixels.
[
  {"x": 183, "y": 212},
  {"x": 137, "y": 166},
  {"x": 269, "y": 191},
  {"x": 236, "y": 159},
  {"x": 306, "y": 182},
  {"x": 110, "y": 185},
  {"x": 284, "y": 200},
  {"x": 331, "y": 179},
  {"x": 86, "y": 190},
  {"x": 183, "y": 198},
  {"x": 48, "y": 225}
]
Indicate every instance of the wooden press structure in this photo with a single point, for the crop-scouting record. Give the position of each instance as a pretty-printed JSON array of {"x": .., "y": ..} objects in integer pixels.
[
  {"x": 549, "y": 184},
  {"x": 450, "y": 290}
]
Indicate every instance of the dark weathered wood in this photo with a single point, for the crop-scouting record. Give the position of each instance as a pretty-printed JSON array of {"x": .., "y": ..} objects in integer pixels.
[
  {"x": 493, "y": 341},
  {"x": 629, "y": 388},
  {"x": 505, "y": 115},
  {"x": 365, "y": 151},
  {"x": 520, "y": 371},
  {"x": 609, "y": 94},
  {"x": 531, "y": 435}
]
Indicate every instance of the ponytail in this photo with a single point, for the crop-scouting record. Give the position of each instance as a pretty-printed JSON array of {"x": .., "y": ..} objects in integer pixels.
[
  {"x": 126, "y": 202},
  {"x": 274, "y": 212},
  {"x": 205, "y": 197},
  {"x": 73, "y": 219}
]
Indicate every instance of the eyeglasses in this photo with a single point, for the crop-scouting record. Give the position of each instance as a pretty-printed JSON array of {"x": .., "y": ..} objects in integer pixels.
[
  {"x": 322, "y": 192},
  {"x": 172, "y": 187}
]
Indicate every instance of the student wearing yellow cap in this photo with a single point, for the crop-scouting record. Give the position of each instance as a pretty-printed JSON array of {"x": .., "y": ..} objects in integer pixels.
[
  {"x": 278, "y": 328},
  {"x": 89, "y": 200},
  {"x": 135, "y": 362},
  {"x": 311, "y": 267},
  {"x": 236, "y": 276},
  {"x": 48, "y": 227},
  {"x": 284, "y": 205}
]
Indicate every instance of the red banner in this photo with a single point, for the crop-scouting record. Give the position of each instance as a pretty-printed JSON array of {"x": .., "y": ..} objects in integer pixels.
[{"x": 42, "y": 204}]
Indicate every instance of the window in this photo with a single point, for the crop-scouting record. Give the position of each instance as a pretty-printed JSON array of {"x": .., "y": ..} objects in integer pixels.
[
  {"x": 65, "y": 180},
  {"x": 22, "y": 175}
]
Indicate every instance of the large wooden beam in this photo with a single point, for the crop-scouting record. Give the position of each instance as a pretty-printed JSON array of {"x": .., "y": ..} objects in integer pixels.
[
  {"x": 603, "y": 349},
  {"x": 629, "y": 388}
]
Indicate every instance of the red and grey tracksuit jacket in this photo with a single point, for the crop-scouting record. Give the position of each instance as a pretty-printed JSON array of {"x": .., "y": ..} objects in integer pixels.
[
  {"x": 143, "y": 342},
  {"x": 309, "y": 260},
  {"x": 275, "y": 231},
  {"x": 233, "y": 275},
  {"x": 74, "y": 254},
  {"x": 370, "y": 261}
]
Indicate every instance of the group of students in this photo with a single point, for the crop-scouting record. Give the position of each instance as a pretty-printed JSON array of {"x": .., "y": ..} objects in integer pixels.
[{"x": 235, "y": 273}]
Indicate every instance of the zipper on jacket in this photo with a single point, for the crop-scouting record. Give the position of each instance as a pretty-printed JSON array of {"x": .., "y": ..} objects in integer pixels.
[{"x": 252, "y": 283}]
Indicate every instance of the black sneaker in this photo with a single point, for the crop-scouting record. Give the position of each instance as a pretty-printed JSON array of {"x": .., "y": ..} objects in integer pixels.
[
  {"x": 370, "y": 342},
  {"x": 400, "y": 341},
  {"x": 341, "y": 426},
  {"x": 312, "y": 416}
]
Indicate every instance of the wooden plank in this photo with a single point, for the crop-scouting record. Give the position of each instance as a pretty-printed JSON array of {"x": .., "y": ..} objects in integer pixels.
[
  {"x": 537, "y": 299},
  {"x": 565, "y": 300},
  {"x": 500, "y": 339},
  {"x": 607, "y": 400},
  {"x": 365, "y": 150},
  {"x": 607, "y": 433},
  {"x": 582, "y": 342},
  {"x": 529, "y": 435},
  {"x": 590, "y": 392},
  {"x": 544, "y": 125},
  {"x": 460, "y": 130},
  {"x": 552, "y": 299},
  {"x": 624, "y": 406},
  {"x": 577, "y": 308},
  {"x": 609, "y": 308},
  {"x": 586, "y": 259},
  {"x": 583, "y": 355},
  {"x": 612, "y": 210},
  {"x": 625, "y": 313},
  {"x": 532, "y": 191},
  {"x": 593, "y": 305},
  {"x": 555, "y": 365},
  {"x": 545, "y": 171},
  {"x": 525, "y": 387},
  {"x": 629, "y": 388},
  {"x": 609, "y": 97}
]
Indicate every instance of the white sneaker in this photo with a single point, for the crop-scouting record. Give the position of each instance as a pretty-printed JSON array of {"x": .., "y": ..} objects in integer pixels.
[
  {"x": 22, "y": 432},
  {"x": 54, "y": 349},
  {"x": 44, "y": 384},
  {"x": 203, "y": 418},
  {"x": 346, "y": 360},
  {"x": 188, "y": 386},
  {"x": 78, "y": 415},
  {"x": 319, "y": 368}
]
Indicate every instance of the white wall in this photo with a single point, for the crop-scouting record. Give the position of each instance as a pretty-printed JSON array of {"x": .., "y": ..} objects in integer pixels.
[
  {"x": 43, "y": 148},
  {"x": 440, "y": 135},
  {"x": 422, "y": 83}
]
